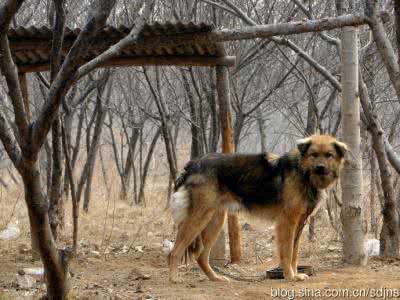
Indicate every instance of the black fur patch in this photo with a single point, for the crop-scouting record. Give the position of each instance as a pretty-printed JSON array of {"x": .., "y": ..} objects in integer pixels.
[
  {"x": 254, "y": 179},
  {"x": 340, "y": 151},
  {"x": 303, "y": 148}
]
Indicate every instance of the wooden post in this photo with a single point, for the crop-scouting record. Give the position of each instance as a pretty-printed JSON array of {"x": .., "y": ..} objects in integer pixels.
[{"x": 228, "y": 146}]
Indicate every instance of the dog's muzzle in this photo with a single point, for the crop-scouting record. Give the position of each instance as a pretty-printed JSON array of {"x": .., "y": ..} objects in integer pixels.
[{"x": 321, "y": 170}]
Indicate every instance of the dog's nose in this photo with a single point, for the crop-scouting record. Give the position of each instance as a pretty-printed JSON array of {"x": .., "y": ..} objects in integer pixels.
[{"x": 320, "y": 170}]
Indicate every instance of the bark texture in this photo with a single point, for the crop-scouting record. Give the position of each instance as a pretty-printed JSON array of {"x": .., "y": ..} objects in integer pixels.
[
  {"x": 389, "y": 236},
  {"x": 351, "y": 178}
]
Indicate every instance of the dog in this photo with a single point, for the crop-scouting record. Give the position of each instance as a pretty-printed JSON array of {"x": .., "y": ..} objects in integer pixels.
[{"x": 285, "y": 189}]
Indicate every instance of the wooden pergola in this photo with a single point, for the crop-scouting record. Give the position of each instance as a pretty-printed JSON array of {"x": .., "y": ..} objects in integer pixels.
[
  {"x": 170, "y": 44},
  {"x": 167, "y": 44}
]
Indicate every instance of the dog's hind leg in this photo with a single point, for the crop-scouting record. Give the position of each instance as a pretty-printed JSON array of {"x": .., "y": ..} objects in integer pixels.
[
  {"x": 209, "y": 236},
  {"x": 190, "y": 228}
]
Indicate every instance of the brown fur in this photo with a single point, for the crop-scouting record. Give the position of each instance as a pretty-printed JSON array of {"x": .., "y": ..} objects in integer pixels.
[{"x": 291, "y": 182}]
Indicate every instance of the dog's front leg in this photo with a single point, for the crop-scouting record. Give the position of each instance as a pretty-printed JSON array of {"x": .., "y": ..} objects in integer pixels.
[
  {"x": 286, "y": 231},
  {"x": 299, "y": 231}
]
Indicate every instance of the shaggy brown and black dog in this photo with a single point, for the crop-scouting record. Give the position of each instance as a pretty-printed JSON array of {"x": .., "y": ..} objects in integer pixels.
[{"x": 285, "y": 189}]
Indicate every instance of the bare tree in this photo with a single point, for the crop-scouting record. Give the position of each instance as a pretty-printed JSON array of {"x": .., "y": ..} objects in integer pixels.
[
  {"x": 351, "y": 179},
  {"x": 24, "y": 145}
]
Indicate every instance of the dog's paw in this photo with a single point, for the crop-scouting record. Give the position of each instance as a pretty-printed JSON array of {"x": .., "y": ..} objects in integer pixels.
[{"x": 220, "y": 279}]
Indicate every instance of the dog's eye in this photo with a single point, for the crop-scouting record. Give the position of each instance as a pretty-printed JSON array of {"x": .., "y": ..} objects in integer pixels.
[
  {"x": 328, "y": 155},
  {"x": 314, "y": 155}
]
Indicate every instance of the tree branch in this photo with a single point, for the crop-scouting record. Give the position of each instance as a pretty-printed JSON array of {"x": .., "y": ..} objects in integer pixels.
[
  {"x": 7, "y": 12},
  {"x": 393, "y": 157},
  {"x": 58, "y": 38},
  {"x": 67, "y": 74},
  {"x": 383, "y": 44},
  {"x": 10, "y": 73},
  {"x": 116, "y": 49},
  {"x": 272, "y": 30},
  {"x": 9, "y": 142},
  {"x": 323, "y": 35}
]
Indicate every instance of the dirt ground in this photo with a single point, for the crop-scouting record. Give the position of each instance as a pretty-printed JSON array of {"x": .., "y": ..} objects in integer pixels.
[{"x": 121, "y": 256}]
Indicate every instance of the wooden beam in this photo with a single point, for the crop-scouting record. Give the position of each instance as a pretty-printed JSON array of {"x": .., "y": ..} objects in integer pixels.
[{"x": 200, "y": 61}]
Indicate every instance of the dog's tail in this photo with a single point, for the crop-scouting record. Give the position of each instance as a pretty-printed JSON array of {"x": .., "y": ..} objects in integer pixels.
[
  {"x": 194, "y": 250},
  {"x": 179, "y": 206}
]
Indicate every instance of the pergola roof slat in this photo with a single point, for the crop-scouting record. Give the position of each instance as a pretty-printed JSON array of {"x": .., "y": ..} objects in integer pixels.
[{"x": 31, "y": 46}]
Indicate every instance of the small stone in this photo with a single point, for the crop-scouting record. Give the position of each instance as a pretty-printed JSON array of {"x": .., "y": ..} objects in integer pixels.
[
  {"x": 21, "y": 272},
  {"x": 37, "y": 272},
  {"x": 146, "y": 277},
  {"x": 25, "y": 281},
  {"x": 124, "y": 236},
  {"x": 167, "y": 246},
  {"x": 247, "y": 226},
  {"x": 139, "y": 249},
  {"x": 331, "y": 249},
  {"x": 12, "y": 232},
  {"x": 23, "y": 249},
  {"x": 95, "y": 253}
]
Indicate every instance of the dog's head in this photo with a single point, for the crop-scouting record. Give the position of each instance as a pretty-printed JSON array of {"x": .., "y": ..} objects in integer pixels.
[{"x": 322, "y": 158}]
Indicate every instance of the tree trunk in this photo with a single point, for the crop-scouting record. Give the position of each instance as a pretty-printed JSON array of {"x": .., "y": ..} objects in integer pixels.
[
  {"x": 104, "y": 172},
  {"x": 165, "y": 122},
  {"x": 87, "y": 175},
  {"x": 25, "y": 97},
  {"x": 127, "y": 171},
  {"x": 372, "y": 196},
  {"x": 351, "y": 179},
  {"x": 239, "y": 123},
  {"x": 261, "y": 130},
  {"x": 310, "y": 129},
  {"x": 197, "y": 145},
  {"x": 55, "y": 261},
  {"x": 73, "y": 150},
  {"x": 214, "y": 132},
  {"x": 75, "y": 203},
  {"x": 383, "y": 43},
  {"x": 389, "y": 237},
  {"x": 56, "y": 210},
  {"x": 147, "y": 165}
]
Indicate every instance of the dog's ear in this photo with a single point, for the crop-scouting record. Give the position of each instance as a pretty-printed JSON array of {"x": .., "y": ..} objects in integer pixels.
[
  {"x": 341, "y": 148},
  {"x": 303, "y": 145}
]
